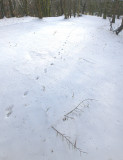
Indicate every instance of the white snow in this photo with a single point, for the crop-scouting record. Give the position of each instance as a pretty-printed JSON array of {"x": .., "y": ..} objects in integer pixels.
[{"x": 49, "y": 66}]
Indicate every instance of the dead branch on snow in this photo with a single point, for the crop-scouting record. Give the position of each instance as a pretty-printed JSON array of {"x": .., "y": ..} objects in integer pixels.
[
  {"x": 69, "y": 142},
  {"x": 77, "y": 109}
]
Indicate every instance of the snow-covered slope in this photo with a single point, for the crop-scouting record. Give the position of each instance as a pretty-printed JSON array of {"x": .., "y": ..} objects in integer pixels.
[{"x": 47, "y": 68}]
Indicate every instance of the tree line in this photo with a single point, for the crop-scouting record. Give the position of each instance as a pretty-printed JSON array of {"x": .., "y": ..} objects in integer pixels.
[{"x": 47, "y": 8}]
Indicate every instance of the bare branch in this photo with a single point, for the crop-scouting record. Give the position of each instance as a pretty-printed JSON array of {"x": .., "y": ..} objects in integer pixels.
[
  {"x": 69, "y": 142},
  {"x": 77, "y": 109}
]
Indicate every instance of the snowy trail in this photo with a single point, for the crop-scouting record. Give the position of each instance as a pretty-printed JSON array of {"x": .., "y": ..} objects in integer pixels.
[{"x": 47, "y": 68}]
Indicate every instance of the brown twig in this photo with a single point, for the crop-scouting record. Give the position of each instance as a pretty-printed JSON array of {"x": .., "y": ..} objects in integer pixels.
[
  {"x": 76, "y": 109},
  {"x": 70, "y": 143}
]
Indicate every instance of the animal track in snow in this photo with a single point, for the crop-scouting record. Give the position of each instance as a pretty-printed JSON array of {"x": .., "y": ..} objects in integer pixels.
[
  {"x": 52, "y": 64},
  {"x": 9, "y": 110},
  {"x": 26, "y": 105},
  {"x": 43, "y": 88},
  {"x": 26, "y": 93},
  {"x": 45, "y": 70},
  {"x": 37, "y": 77}
]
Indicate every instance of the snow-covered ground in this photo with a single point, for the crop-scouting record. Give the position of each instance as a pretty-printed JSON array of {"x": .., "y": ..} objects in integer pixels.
[{"x": 47, "y": 68}]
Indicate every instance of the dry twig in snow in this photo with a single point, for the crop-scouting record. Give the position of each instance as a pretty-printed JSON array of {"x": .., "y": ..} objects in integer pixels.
[
  {"x": 77, "y": 109},
  {"x": 70, "y": 143}
]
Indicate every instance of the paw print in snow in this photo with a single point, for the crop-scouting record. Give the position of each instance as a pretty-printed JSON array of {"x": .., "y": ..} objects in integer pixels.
[
  {"x": 37, "y": 77},
  {"x": 9, "y": 110},
  {"x": 45, "y": 70},
  {"x": 43, "y": 88},
  {"x": 25, "y": 93}
]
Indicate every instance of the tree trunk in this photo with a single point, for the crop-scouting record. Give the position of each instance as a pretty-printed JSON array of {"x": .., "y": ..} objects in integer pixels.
[{"x": 119, "y": 29}]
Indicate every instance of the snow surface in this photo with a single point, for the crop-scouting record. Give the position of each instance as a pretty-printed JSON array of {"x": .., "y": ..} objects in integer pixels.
[{"x": 48, "y": 67}]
